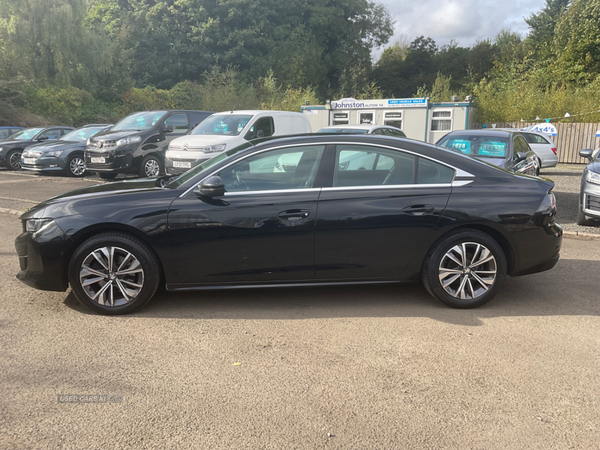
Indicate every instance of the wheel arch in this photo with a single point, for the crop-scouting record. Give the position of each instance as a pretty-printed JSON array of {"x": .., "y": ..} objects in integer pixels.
[{"x": 86, "y": 233}]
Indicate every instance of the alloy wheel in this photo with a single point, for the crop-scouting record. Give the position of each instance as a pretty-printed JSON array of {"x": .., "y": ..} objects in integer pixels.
[
  {"x": 77, "y": 166},
  {"x": 15, "y": 160},
  {"x": 111, "y": 276},
  {"x": 152, "y": 168},
  {"x": 468, "y": 270}
]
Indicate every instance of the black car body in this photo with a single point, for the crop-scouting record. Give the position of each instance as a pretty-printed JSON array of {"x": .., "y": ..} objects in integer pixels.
[
  {"x": 12, "y": 147},
  {"x": 503, "y": 148},
  {"x": 62, "y": 156},
  {"x": 589, "y": 194},
  {"x": 7, "y": 131},
  {"x": 137, "y": 143},
  {"x": 242, "y": 219}
]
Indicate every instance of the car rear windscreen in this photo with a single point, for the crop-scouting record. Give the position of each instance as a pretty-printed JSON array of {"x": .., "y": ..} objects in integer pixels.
[{"x": 485, "y": 146}]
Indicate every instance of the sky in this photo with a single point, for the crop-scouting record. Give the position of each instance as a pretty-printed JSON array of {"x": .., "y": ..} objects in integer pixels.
[{"x": 465, "y": 21}]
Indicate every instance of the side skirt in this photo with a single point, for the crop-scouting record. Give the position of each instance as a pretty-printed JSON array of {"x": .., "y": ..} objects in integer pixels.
[{"x": 173, "y": 287}]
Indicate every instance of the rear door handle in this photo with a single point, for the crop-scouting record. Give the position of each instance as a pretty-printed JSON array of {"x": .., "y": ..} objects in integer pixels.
[
  {"x": 294, "y": 214},
  {"x": 418, "y": 210}
]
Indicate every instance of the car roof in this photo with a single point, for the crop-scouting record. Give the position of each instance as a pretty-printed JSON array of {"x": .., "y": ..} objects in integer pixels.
[
  {"x": 359, "y": 127},
  {"x": 257, "y": 111}
]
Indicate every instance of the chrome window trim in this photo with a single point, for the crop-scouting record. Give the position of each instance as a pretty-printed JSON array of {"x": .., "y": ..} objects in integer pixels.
[
  {"x": 272, "y": 191},
  {"x": 458, "y": 173}
]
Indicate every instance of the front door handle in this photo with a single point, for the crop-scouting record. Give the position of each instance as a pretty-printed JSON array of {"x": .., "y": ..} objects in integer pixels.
[
  {"x": 418, "y": 210},
  {"x": 294, "y": 214}
]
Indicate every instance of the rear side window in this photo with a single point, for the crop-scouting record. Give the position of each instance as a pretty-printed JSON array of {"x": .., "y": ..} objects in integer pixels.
[
  {"x": 4, "y": 134},
  {"x": 360, "y": 165},
  {"x": 52, "y": 134},
  {"x": 535, "y": 139}
]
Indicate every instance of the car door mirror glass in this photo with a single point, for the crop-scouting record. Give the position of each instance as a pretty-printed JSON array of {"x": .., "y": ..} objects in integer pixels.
[
  {"x": 521, "y": 157},
  {"x": 586, "y": 153},
  {"x": 43, "y": 138},
  {"x": 213, "y": 187}
]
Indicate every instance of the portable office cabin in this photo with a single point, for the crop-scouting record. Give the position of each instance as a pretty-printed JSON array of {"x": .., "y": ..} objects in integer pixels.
[{"x": 418, "y": 117}]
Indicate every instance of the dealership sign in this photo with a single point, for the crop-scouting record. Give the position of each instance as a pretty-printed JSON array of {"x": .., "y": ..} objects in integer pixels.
[
  {"x": 546, "y": 128},
  {"x": 351, "y": 103}
]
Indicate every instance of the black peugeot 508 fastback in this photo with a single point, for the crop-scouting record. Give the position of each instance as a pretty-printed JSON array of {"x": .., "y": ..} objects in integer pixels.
[{"x": 297, "y": 211}]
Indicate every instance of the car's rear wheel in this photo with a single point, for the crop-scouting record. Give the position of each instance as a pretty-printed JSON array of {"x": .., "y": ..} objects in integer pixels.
[
  {"x": 76, "y": 166},
  {"x": 151, "y": 167},
  {"x": 465, "y": 269},
  {"x": 114, "y": 273},
  {"x": 13, "y": 160},
  {"x": 107, "y": 175}
]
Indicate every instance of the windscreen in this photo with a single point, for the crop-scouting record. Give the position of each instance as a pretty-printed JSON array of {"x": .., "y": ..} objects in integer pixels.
[
  {"x": 476, "y": 145},
  {"x": 24, "y": 135},
  {"x": 139, "y": 121},
  {"x": 222, "y": 125},
  {"x": 81, "y": 134}
]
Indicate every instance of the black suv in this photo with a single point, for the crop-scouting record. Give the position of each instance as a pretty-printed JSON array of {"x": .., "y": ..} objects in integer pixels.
[
  {"x": 137, "y": 143},
  {"x": 12, "y": 147}
]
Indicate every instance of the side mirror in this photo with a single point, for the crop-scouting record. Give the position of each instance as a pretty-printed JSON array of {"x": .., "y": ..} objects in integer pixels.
[
  {"x": 521, "y": 157},
  {"x": 43, "y": 138},
  {"x": 213, "y": 187},
  {"x": 166, "y": 129},
  {"x": 586, "y": 153}
]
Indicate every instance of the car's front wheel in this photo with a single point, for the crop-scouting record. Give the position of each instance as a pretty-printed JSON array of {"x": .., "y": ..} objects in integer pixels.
[
  {"x": 13, "y": 160},
  {"x": 151, "y": 167},
  {"x": 465, "y": 269},
  {"x": 76, "y": 166},
  {"x": 114, "y": 273}
]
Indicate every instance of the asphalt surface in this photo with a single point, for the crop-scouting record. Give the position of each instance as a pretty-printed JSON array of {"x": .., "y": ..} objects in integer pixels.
[{"x": 384, "y": 367}]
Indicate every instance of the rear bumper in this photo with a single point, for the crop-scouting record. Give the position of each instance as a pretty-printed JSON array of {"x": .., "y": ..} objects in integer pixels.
[{"x": 539, "y": 250}]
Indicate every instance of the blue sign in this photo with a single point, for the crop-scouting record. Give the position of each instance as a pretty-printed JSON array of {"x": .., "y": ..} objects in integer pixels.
[
  {"x": 546, "y": 128},
  {"x": 407, "y": 101}
]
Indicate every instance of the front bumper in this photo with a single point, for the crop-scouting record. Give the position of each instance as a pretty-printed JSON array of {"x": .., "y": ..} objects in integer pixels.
[
  {"x": 111, "y": 162},
  {"x": 590, "y": 199},
  {"x": 41, "y": 258},
  {"x": 45, "y": 164},
  {"x": 177, "y": 166}
]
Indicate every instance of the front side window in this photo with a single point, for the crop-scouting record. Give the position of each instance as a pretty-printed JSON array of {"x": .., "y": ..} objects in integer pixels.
[
  {"x": 179, "y": 122},
  {"x": 264, "y": 127},
  {"x": 520, "y": 145},
  {"x": 139, "y": 121},
  {"x": 4, "y": 133},
  {"x": 441, "y": 120},
  {"x": 51, "y": 134},
  {"x": 289, "y": 168}
]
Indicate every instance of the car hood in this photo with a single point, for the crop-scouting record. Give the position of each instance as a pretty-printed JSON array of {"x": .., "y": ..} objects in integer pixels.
[
  {"x": 202, "y": 140},
  {"x": 56, "y": 145},
  {"x": 116, "y": 135},
  {"x": 112, "y": 192}
]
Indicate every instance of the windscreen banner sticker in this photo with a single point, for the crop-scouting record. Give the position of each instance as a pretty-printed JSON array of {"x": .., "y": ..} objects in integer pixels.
[
  {"x": 220, "y": 127},
  {"x": 461, "y": 145},
  {"x": 492, "y": 148}
]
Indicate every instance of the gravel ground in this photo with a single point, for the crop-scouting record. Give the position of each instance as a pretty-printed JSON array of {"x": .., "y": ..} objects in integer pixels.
[{"x": 568, "y": 182}]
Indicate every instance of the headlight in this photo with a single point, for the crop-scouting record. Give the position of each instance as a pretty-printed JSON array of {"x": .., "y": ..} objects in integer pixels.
[
  {"x": 54, "y": 154},
  {"x": 592, "y": 177},
  {"x": 0, "y": 149},
  {"x": 35, "y": 225},
  {"x": 129, "y": 140},
  {"x": 214, "y": 148}
]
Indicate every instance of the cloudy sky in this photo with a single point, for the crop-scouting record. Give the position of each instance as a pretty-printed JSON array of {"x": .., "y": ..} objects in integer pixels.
[{"x": 462, "y": 20}]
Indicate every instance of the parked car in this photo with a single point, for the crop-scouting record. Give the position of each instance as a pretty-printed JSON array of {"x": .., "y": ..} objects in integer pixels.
[
  {"x": 62, "y": 156},
  {"x": 503, "y": 148},
  {"x": 7, "y": 131},
  {"x": 589, "y": 194},
  {"x": 137, "y": 144},
  {"x": 238, "y": 220},
  {"x": 383, "y": 130},
  {"x": 543, "y": 147},
  {"x": 12, "y": 147},
  {"x": 227, "y": 130}
]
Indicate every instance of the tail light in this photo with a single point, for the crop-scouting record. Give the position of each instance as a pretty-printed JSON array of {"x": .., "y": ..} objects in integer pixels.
[{"x": 554, "y": 150}]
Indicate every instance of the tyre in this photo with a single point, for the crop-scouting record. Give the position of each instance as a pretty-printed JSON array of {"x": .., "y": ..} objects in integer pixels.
[
  {"x": 107, "y": 176},
  {"x": 465, "y": 269},
  {"x": 13, "y": 160},
  {"x": 581, "y": 220},
  {"x": 151, "y": 167},
  {"x": 114, "y": 273},
  {"x": 76, "y": 166}
]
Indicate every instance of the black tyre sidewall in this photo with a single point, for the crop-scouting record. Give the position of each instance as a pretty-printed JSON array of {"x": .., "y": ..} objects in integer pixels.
[
  {"x": 430, "y": 274},
  {"x": 69, "y": 160},
  {"x": 143, "y": 167},
  {"x": 129, "y": 243},
  {"x": 9, "y": 156}
]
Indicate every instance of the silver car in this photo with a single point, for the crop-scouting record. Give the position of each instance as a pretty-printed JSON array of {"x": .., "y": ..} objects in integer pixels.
[
  {"x": 543, "y": 147},
  {"x": 589, "y": 194}
]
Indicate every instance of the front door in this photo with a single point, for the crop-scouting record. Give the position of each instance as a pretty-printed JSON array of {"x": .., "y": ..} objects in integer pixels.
[
  {"x": 381, "y": 207},
  {"x": 262, "y": 230}
]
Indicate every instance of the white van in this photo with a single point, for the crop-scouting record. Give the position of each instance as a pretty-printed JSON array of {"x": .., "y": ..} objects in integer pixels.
[{"x": 226, "y": 130}]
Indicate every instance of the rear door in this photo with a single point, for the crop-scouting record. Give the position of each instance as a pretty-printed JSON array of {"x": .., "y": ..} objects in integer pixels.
[{"x": 380, "y": 207}]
